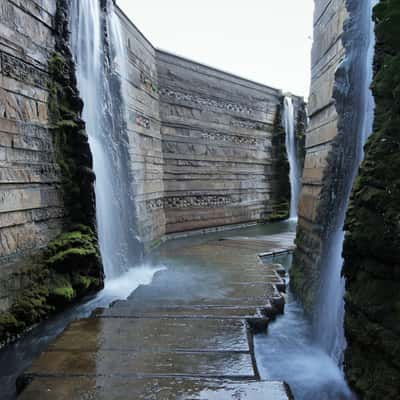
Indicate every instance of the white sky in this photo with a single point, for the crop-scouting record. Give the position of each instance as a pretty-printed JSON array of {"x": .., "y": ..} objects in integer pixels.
[{"x": 268, "y": 41}]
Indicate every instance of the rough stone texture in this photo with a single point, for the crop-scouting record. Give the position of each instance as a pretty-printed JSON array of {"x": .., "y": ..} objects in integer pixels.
[
  {"x": 322, "y": 156},
  {"x": 200, "y": 143},
  {"x": 144, "y": 132},
  {"x": 189, "y": 334},
  {"x": 217, "y": 145},
  {"x": 372, "y": 244},
  {"x": 46, "y": 185},
  {"x": 31, "y": 206}
]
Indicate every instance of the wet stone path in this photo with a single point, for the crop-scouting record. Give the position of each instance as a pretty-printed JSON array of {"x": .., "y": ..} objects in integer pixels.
[{"x": 188, "y": 335}]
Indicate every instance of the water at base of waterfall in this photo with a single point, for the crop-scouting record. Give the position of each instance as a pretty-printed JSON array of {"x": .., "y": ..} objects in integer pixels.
[{"x": 287, "y": 352}]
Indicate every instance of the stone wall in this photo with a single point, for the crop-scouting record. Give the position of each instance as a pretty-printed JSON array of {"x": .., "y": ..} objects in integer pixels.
[
  {"x": 144, "y": 132},
  {"x": 321, "y": 160},
  {"x": 217, "y": 145},
  {"x": 31, "y": 208},
  {"x": 200, "y": 143},
  {"x": 49, "y": 256}
]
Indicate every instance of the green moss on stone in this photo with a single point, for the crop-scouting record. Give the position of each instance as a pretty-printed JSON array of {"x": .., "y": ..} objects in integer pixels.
[
  {"x": 70, "y": 266},
  {"x": 67, "y": 270},
  {"x": 281, "y": 185},
  {"x": 372, "y": 244}
]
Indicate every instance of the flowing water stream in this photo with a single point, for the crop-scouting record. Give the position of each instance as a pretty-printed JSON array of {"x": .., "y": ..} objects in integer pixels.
[
  {"x": 356, "y": 114},
  {"x": 289, "y": 350},
  {"x": 100, "y": 65},
  {"x": 289, "y": 124}
]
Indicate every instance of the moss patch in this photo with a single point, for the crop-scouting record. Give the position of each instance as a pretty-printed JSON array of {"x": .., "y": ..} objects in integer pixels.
[
  {"x": 372, "y": 244},
  {"x": 70, "y": 267},
  {"x": 281, "y": 184},
  {"x": 66, "y": 271}
]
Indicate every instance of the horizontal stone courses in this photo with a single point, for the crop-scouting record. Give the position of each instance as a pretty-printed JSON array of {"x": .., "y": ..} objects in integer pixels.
[
  {"x": 35, "y": 38},
  {"x": 191, "y": 185},
  {"x": 196, "y": 67},
  {"x": 181, "y": 83},
  {"x": 220, "y": 140},
  {"x": 175, "y": 96},
  {"x": 197, "y": 129},
  {"x": 36, "y": 10},
  {"x": 183, "y": 157},
  {"x": 23, "y": 241},
  {"x": 23, "y": 70},
  {"x": 224, "y": 151},
  {"x": 230, "y": 127},
  {"x": 25, "y": 156},
  {"x": 14, "y": 199},
  {"x": 41, "y": 173},
  {"x": 26, "y": 216},
  {"x": 172, "y": 170},
  {"x": 175, "y": 110},
  {"x": 217, "y": 175}
]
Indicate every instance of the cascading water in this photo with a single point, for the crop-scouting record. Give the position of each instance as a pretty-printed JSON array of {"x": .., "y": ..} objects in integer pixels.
[
  {"x": 289, "y": 125},
  {"x": 100, "y": 65},
  {"x": 355, "y": 106}
]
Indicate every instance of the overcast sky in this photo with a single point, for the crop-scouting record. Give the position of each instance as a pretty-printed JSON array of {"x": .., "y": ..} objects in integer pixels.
[{"x": 268, "y": 41}]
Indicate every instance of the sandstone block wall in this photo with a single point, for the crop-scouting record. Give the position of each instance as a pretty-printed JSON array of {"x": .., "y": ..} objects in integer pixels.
[
  {"x": 144, "y": 131},
  {"x": 200, "y": 142},
  {"x": 31, "y": 209},
  {"x": 318, "y": 174},
  {"x": 216, "y": 139}
]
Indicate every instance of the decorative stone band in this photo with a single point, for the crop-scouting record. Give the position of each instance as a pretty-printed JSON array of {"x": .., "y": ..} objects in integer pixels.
[
  {"x": 189, "y": 202},
  {"x": 236, "y": 139},
  {"x": 20, "y": 70},
  {"x": 139, "y": 119},
  {"x": 206, "y": 102},
  {"x": 243, "y": 123}
]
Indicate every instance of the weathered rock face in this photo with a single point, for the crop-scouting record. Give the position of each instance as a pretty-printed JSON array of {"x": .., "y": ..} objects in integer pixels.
[
  {"x": 30, "y": 204},
  {"x": 323, "y": 151},
  {"x": 143, "y": 127},
  {"x": 216, "y": 134},
  {"x": 202, "y": 143},
  {"x": 46, "y": 170},
  {"x": 372, "y": 244},
  {"x": 204, "y": 148}
]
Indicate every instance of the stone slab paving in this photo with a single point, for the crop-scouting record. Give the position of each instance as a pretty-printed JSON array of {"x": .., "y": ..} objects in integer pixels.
[{"x": 188, "y": 335}]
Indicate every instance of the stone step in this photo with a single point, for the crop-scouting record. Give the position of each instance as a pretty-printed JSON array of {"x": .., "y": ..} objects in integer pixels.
[
  {"x": 180, "y": 311},
  {"x": 153, "y": 334},
  {"x": 213, "y": 364},
  {"x": 121, "y": 388}
]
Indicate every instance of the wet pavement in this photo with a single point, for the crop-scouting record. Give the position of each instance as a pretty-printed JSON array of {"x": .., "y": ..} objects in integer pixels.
[{"x": 188, "y": 335}]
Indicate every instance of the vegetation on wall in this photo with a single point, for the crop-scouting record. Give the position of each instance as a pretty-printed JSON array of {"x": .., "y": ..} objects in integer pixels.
[
  {"x": 372, "y": 244},
  {"x": 70, "y": 267},
  {"x": 281, "y": 168}
]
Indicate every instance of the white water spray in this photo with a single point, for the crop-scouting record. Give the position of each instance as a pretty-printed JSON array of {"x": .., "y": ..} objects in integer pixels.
[
  {"x": 99, "y": 72},
  {"x": 289, "y": 124},
  {"x": 329, "y": 330}
]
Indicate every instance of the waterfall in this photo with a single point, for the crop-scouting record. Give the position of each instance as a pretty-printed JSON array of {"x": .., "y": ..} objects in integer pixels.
[
  {"x": 100, "y": 68},
  {"x": 355, "y": 106},
  {"x": 289, "y": 124}
]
